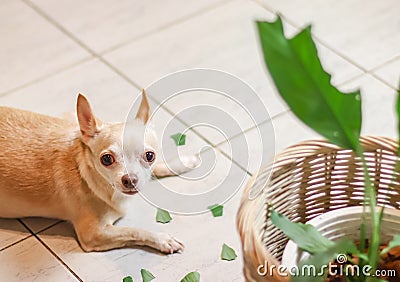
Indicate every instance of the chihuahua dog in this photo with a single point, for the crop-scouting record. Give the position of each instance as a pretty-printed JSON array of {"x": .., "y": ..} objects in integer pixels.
[{"x": 53, "y": 168}]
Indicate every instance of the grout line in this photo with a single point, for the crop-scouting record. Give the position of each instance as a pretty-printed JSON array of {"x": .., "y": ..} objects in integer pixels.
[
  {"x": 373, "y": 74},
  {"x": 181, "y": 121},
  {"x": 343, "y": 56},
  {"x": 217, "y": 146},
  {"x": 45, "y": 228},
  {"x": 78, "y": 41},
  {"x": 383, "y": 81},
  {"x": 59, "y": 26},
  {"x": 351, "y": 79},
  {"x": 51, "y": 251},
  {"x": 99, "y": 55},
  {"x": 120, "y": 73},
  {"x": 166, "y": 26},
  {"x": 117, "y": 71},
  {"x": 46, "y": 76},
  {"x": 16, "y": 242},
  {"x": 395, "y": 58},
  {"x": 367, "y": 73},
  {"x": 201, "y": 136},
  {"x": 255, "y": 126}
]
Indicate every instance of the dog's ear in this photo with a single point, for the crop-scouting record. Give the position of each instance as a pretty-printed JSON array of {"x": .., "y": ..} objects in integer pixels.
[
  {"x": 88, "y": 123},
  {"x": 144, "y": 109}
]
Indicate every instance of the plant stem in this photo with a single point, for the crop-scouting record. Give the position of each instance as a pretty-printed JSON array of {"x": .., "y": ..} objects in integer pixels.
[{"x": 370, "y": 198}]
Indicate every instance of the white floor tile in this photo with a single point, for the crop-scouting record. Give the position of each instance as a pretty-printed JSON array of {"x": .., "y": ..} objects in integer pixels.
[
  {"x": 366, "y": 32},
  {"x": 215, "y": 116},
  {"x": 253, "y": 154},
  {"x": 104, "y": 24},
  {"x": 203, "y": 236},
  {"x": 214, "y": 182},
  {"x": 390, "y": 73},
  {"x": 31, "y": 47},
  {"x": 109, "y": 95},
  {"x": 31, "y": 261},
  {"x": 229, "y": 43},
  {"x": 378, "y": 100},
  {"x": 89, "y": 266},
  {"x": 340, "y": 69},
  {"x": 11, "y": 231}
]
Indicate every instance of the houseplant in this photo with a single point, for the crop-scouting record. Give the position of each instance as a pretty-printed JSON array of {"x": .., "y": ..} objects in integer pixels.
[{"x": 304, "y": 85}]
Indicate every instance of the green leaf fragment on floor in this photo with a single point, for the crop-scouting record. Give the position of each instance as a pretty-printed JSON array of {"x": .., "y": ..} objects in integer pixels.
[
  {"x": 191, "y": 277},
  {"x": 179, "y": 139},
  {"x": 127, "y": 279},
  {"x": 163, "y": 216},
  {"x": 216, "y": 210},
  {"x": 147, "y": 276},
  {"x": 228, "y": 253}
]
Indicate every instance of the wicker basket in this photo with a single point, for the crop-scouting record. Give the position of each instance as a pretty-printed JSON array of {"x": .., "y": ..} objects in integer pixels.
[{"x": 304, "y": 181}]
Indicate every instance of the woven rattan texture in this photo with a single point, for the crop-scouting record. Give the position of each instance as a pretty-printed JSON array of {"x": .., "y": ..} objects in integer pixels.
[{"x": 304, "y": 181}]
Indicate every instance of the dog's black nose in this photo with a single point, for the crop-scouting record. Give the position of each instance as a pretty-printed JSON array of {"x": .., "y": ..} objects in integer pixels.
[{"x": 129, "y": 181}]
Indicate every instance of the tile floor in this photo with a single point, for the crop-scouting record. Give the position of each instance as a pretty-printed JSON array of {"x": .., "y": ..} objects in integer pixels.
[{"x": 50, "y": 50}]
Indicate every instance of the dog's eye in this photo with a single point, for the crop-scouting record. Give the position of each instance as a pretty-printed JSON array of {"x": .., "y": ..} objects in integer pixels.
[
  {"x": 107, "y": 159},
  {"x": 149, "y": 156}
]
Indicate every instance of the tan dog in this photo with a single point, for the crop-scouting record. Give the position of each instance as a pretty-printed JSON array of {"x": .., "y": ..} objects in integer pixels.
[{"x": 51, "y": 168}]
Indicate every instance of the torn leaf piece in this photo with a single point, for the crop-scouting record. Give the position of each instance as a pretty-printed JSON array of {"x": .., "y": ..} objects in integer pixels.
[
  {"x": 147, "y": 276},
  {"x": 163, "y": 216},
  {"x": 179, "y": 138},
  {"x": 191, "y": 277},
  {"x": 216, "y": 210},
  {"x": 228, "y": 253},
  {"x": 127, "y": 279}
]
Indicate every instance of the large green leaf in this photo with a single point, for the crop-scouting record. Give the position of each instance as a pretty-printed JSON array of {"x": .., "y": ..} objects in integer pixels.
[
  {"x": 306, "y": 236},
  {"x": 305, "y": 86}
]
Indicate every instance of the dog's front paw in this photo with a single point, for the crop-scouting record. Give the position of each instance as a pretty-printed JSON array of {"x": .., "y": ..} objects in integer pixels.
[
  {"x": 191, "y": 161},
  {"x": 168, "y": 244}
]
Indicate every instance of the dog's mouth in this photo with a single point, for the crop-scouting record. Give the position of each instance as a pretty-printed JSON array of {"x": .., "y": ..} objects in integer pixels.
[{"x": 132, "y": 191}]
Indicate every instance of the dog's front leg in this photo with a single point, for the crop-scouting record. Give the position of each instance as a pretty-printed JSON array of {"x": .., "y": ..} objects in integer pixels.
[
  {"x": 176, "y": 166},
  {"x": 103, "y": 238}
]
